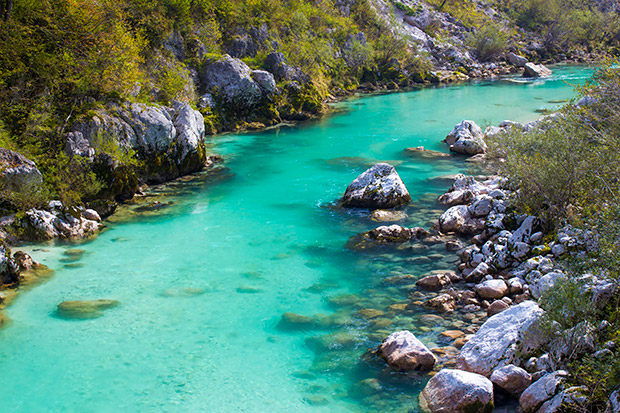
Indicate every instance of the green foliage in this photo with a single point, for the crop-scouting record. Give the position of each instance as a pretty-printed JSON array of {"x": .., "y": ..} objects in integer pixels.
[
  {"x": 489, "y": 42},
  {"x": 569, "y": 166},
  {"x": 563, "y": 22},
  {"x": 409, "y": 11}
]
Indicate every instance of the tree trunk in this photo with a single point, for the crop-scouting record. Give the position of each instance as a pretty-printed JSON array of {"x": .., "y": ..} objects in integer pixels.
[
  {"x": 442, "y": 4},
  {"x": 9, "y": 10}
]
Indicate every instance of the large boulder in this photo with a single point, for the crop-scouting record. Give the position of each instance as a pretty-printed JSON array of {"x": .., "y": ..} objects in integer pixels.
[
  {"x": 170, "y": 140},
  {"x": 457, "y": 391},
  {"x": 17, "y": 173},
  {"x": 466, "y": 138},
  {"x": 378, "y": 187},
  {"x": 534, "y": 70},
  {"x": 234, "y": 84},
  {"x": 501, "y": 339},
  {"x": 403, "y": 352},
  {"x": 542, "y": 390}
]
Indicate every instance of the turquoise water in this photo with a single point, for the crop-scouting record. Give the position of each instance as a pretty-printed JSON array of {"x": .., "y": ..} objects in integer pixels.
[{"x": 204, "y": 281}]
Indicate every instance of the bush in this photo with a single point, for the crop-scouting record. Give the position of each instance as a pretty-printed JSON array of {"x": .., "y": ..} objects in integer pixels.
[
  {"x": 570, "y": 165},
  {"x": 489, "y": 42}
]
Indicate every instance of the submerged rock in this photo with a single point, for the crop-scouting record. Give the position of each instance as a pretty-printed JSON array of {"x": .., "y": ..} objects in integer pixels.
[
  {"x": 382, "y": 215},
  {"x": 403, "y": 351},
  {"x": 457, "y": 391},
  {"x": 378, "y": 187},
  {"x": 84, "y": 309}
]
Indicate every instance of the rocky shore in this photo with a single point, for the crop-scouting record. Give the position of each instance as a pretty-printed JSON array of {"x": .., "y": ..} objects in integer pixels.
[{"x": 506, "y": 262}]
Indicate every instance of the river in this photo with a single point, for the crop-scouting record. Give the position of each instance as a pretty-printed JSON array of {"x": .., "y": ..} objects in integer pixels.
[{"x": 204, "y": 278}]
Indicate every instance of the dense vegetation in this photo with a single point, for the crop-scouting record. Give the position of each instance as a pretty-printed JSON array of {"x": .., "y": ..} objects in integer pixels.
[
  {"x": 61, "y": 59},
  {"x": 568, "y": 171}
]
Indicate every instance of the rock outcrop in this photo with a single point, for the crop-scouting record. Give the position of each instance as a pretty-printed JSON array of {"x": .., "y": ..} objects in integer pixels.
[
  {"x": 168, "y": 140},
  {"x": 379, "y": 187},
  {"x": 403, "y": 351},
  {"x": 457, "y": 391},
  {"x": 17, "y": 173},
  {"x": 9, "y": 269},
  {"x": 466, "y": 138}
]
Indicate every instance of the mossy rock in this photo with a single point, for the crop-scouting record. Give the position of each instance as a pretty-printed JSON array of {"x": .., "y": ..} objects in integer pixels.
[{"x": 84, "y": 309}]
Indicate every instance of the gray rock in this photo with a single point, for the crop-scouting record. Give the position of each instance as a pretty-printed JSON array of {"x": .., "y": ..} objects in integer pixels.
[
  {"x": 230, "y": 80},
  {"x": 378, "y": 187},
  {"x": 9, "y": 270},
  {"x": 501, "y": 340},
  {"x": 17, "y": 173},
  {"x": 466, "y": 138},
  {"x": 457, "y": 391},
  {"x": 511, "y": 379},
  {"x": 403, "y": 352},
  {"x": 613, "y": 406},
  {"x": 173, "y": 133},
  {"x": 277, "y": 64},
  {"x": 59, "y": 224},
  {"x": 458, "y": 219},
  {"x": 266, "y": 81},
  {"x": 540, "y": 391},
  {"x": 534, "y": 70},
  {"x": 516, "y": 60},
  {"x": 482, "y": 206},
  {"x": 570, "y": 399}
]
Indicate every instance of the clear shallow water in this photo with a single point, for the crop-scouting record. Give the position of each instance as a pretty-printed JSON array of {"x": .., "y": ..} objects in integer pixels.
[{"x": 203, "y": 283}]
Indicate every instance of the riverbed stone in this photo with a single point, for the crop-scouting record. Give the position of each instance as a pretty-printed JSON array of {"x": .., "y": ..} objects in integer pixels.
[
  {"x": 379, "y": 187},
  {"x": 382, "y": 215},
  {"x": 403, "y": 351},
  {"x": 443, "y": 303},
  {"x": 84, "y": 309},
  {"x": 457, "y": 391}
]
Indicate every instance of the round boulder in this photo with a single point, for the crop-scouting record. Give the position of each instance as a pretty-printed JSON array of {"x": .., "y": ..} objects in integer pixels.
[
  {"x": 492, "y": 289},
  {"x": 403, "y": 352},
  {"x": 457, "y": 391}
]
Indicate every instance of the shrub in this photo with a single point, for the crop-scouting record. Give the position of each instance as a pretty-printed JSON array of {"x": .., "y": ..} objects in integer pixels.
[{"x": 489, "y": 42}]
